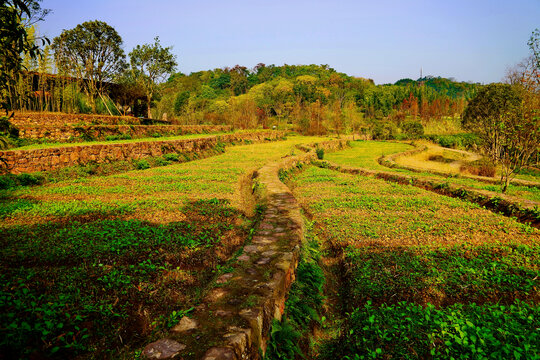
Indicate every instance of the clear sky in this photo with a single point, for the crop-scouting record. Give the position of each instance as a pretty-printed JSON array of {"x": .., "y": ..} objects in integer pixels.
[{"x": 385, "y": 40}]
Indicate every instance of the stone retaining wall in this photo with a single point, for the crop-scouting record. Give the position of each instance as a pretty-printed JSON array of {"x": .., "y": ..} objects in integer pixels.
[
  {"x": 73, "y": 133},
  {"x": 61, "y": 119},
  {"x": 28, "y": 161},
  {"x": 234, "y": 320}
]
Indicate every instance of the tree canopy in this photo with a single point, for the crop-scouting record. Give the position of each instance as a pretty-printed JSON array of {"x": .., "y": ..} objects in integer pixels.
[
  {"x": 92, "y": 52},
  {"x": 509, "y": 128},
  {"x": 150, "y": 64},
  {"x": 16, "y": 16}
]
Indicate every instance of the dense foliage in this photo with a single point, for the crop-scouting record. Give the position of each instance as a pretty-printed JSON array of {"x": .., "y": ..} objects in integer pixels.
[{"x": 315, "y": 98}]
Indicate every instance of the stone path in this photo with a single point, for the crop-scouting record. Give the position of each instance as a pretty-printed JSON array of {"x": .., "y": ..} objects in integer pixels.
[{"x": 234, "y": 320}]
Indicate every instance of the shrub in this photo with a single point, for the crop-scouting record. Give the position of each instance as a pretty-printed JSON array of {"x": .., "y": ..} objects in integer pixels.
[
  {"x": 320, "y": 153},
  {"x": 30, "y": 179},
  {"x": 413, "y": 129},
  {"x": 480, "y": 168},
  {"x": 162, "y": 162},
  {"x": 7, "y": 182},
  {"x": 141, "y": 164},
  {"x": 384, "y": 131},
  {"x": 171, "y": 157}
]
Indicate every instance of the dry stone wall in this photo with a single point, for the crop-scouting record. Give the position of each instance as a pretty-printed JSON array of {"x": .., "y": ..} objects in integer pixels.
[
  {"x": 61, "y": 119},
  {"x": 28, "y": 161},
  {"x": 67, "y": 133},
  {"x": 234, "y": 320}
]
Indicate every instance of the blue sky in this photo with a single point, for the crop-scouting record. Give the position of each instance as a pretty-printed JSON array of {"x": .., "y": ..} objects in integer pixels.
[{"x": 385, "y": 40}]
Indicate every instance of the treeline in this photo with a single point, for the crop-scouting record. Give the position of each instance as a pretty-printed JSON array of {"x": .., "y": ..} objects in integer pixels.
[
  {"x": 85, "y": 70},
  {"x": 312, "y": 98}
]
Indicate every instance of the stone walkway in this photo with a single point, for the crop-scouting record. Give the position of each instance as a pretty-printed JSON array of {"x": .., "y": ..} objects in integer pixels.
[{"x": 234, "y": 320}]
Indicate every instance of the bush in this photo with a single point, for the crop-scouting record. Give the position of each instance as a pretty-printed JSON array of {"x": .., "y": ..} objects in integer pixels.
[
  {"x": 320, "y": 154},
  {"x": 9, "y": 181},
  {"x": 465, "y": 141},
  {"x": 480, "y": 168},
  {"x": 141, "y": 164},
  {"x": 160, "y": 161},
  {"x": 384, "y": 131},
  {"x": 30, "y": 179},
  {"x": 171, "y": 157},
  {"x": 413, "y": 129},
  {"x": 118, "y": 137}
]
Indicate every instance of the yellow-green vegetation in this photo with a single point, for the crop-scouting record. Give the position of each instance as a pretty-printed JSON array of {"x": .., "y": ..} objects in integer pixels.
[
  {"x": 60, "y": 145},
  {"x": 388, "y": 214},
  {"x": 438, "y": 159},
  {"x": 422, "y": 275},
  {"x": 365, "y": 153},
  {"x": 93, "y": 265}
]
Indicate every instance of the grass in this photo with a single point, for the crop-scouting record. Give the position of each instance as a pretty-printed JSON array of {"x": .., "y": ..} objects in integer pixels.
[
  {"x": 365, "y": 153},
  {"x": 109, "y": 142},
  {"x": 84, "y": 286},
  {"x": 94, "y": 265},
  {"x": 423, "y": 275}
]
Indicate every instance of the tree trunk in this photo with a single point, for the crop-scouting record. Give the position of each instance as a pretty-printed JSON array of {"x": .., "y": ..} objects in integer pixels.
[{"x": 149, "y": 98}]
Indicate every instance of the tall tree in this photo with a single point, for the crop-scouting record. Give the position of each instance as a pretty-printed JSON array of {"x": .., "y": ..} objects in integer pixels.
[
  {"x": 16, "y": 17},
  {"x": 92, "y": 52},
  {"x": 509, "y": 129},
  {"x": 150, "y": 64}
]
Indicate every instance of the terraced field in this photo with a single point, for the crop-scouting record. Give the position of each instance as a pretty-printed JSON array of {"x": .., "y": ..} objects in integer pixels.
[
  {"x": 365, "y": 155},
  {"x": 416, "y": 274},
  {"x": 97, "y": 266}
]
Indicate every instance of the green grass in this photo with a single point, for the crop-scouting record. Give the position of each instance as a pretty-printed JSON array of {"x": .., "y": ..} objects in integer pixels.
[
  {"x": 376, "y": 211},
  {"x": 365, "y": 153},
  {"x": 411, "y": 331},
  {"x": 108, "y": 142},
  {"x": 443, "y": 276},
  {"x": 68, "y": 286},
  {"x": 94, "y": 265}
]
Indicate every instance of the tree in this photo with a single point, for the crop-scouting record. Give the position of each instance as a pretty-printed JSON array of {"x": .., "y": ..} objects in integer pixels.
[
  {"x": 508, "y": 123},
  {"x": 16, "y": 17},
  {"x": 92, "y": 52},
  {"x": 150, "y": 64}
]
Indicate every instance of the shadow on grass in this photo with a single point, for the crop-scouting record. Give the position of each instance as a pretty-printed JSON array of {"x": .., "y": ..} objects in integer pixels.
[{"x": 95, "y": 284}]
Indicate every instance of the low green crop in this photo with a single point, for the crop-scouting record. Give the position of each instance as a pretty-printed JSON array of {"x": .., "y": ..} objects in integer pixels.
[{"x": 410, "y": 331}]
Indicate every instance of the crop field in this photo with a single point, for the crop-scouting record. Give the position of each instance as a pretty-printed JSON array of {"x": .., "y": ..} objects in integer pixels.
[
  {"x": 96, "y": 266},
  {"x": 422, "y": 275},
  {"x": 364, "y": 154}
]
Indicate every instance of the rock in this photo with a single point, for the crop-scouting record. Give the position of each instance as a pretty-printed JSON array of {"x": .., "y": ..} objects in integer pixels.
[
  {"x": 216, "y": 294},
  {"x": 263, "y": 261},
  {"x": 224, "y": 278},
  {"x": 185, "y": 324},
  {"x": 244, "y": 258},
  {"x": 163, "y": 349},
  {"x": 221, "y": 353}
]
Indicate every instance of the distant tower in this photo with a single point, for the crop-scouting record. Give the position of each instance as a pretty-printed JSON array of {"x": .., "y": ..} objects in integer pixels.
[{"x": 420, "y": 72}]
